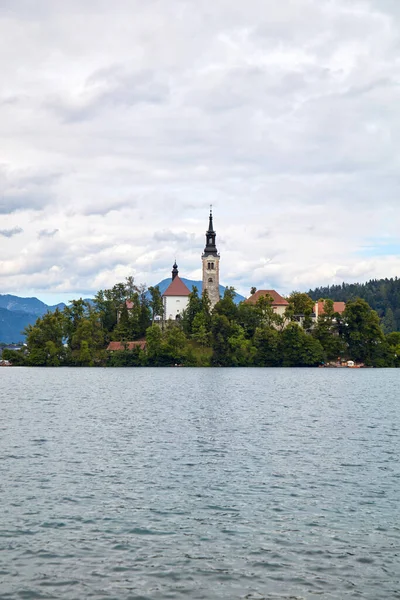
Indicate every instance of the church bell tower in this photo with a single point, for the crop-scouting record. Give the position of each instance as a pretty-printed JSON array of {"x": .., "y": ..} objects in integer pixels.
[{"x": 210, "y": 258}]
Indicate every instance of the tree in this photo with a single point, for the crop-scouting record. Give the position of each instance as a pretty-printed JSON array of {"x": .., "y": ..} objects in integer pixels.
[
  {"x": 299, "y": 349},
  {"x": 45, "y": 338},
  {"x": 193, "y": 308},
  {"x": 175, "y": 344},
  {"x": 266, "y": 342},
  {"x": 326, "y": 332},
  {"x": 226, "y": 306},
  {"x": 300, "y": 309},
  {"x": 200, "y": 331},
  {"x": 156, "y": 303},
  {"x": 154, "y": 348},
  {"x": 87, "y": 341},
  {"x": 388, "y": 321},
  {"x": 393, "y": 343},
  {"x": 362, "y": 332}
]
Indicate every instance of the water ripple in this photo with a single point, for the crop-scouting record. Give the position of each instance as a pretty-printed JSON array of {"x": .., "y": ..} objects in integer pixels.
[{"x": 149, "y": 484}]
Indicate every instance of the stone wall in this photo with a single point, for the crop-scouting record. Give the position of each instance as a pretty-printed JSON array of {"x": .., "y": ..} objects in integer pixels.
[{"x": 212, "y": 287}]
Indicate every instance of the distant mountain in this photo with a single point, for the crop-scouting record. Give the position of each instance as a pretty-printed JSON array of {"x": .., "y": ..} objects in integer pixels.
[
  {"x": 12, "y": 323},
  {"x": 199, "y": 284},
  {"x": 16, "y": 313},
  {"x": 32, "y": 306}
]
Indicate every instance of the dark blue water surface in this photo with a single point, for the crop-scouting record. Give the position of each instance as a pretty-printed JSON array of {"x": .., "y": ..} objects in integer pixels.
[{"x": 199, "y": 483}]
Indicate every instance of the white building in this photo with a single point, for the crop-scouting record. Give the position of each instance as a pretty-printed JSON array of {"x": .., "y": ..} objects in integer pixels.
[{"x": 176, "y": 297}]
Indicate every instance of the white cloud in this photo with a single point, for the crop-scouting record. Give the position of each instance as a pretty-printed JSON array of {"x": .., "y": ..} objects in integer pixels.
[{"x": 120, "y": 124}]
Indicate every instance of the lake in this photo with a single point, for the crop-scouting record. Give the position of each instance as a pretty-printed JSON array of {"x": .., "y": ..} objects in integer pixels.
[{"x": 199, "y": 483}]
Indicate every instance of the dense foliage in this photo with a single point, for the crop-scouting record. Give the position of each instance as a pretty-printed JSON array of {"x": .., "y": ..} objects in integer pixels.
[
  {"x": 383, "y": 296},
  {"x": 229, "y": 335}
]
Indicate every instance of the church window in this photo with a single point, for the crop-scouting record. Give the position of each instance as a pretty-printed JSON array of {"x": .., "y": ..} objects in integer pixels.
[
  {"x": 210, "y": 280},
  {"x": 212, "y": 265},
  {"x": 209, "y": 266}
]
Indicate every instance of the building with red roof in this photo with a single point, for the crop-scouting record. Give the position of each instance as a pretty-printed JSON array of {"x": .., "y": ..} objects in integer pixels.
[
  {"x": 279, "y": 303},
  {"x": 338, "y": 307},
  {"x": 176, "y": 297},
  {"x": 118, "y": 346}
]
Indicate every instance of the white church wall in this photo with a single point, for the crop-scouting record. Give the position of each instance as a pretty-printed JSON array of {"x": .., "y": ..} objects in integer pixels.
[{"x": 174, "y": 305}]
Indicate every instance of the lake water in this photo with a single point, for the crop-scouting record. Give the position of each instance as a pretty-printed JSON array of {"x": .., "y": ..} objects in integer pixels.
[{"x": 199, "y": 483}]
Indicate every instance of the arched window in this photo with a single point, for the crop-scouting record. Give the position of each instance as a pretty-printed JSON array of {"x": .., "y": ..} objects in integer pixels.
[
  {"x": 212, "y": 266},
  {"x": 210, "y": 280},
  {"x": 209, "y": 266}
]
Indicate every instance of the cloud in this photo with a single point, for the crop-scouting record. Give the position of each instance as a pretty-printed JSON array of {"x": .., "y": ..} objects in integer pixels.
[
  {"x": 283, "y": 116},
  {"x": 47, "y": 233},
  {"x": 11, "y": 232}
]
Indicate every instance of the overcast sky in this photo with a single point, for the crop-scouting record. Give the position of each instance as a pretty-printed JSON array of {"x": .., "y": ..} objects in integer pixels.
[{"x": 121, "y": 122}]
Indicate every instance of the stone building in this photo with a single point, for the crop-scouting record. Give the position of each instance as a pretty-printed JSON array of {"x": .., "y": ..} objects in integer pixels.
[{"x": 210, "y": 259}]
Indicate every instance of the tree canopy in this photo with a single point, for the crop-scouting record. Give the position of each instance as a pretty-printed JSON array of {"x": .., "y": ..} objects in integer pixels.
[{"x": 229, "y": 335}]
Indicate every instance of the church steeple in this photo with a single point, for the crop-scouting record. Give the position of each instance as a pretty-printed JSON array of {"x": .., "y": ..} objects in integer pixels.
[
  {"x": 210, "y": 259},
  {"x": 174, "y": 270},
  {"x": 211, "y": 248}
]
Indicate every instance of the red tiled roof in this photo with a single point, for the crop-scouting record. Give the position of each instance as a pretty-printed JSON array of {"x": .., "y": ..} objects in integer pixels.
[
  {"x": 177, "y": 288},
  {"x": 112, "y": 346},
  {"x": 337, "y": 307},
  {"x": 277, "y": 299}
]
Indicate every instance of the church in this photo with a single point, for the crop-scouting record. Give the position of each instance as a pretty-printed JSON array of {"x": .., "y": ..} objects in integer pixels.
[{"x": 176, "y": 296}]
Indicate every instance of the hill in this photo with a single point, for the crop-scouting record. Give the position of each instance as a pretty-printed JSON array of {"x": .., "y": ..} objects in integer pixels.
[{"x": 383, "y": 295}]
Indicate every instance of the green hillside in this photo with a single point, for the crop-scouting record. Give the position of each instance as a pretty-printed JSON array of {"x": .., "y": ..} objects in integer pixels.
[{"x": 383, "y": 295}]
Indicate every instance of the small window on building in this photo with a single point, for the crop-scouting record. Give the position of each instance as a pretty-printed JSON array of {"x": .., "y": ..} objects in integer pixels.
[
  {"x": 212, "y": 266},
  {"x": 209, "y": 266},
  {"x": 210, "y": 280},
  {"x": 210, "y": 240},
  {"x": 178, "y": 300}
]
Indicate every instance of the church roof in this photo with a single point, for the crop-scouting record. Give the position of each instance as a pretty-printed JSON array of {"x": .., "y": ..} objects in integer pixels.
[
  {"x": 177, "y": 288},
  {"x": 277, "y": 299}
]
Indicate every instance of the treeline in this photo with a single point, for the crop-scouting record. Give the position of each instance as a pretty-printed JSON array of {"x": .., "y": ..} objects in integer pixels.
[
  {"x": 229, "y": 335},
  {"x": 383, "y": 295}
]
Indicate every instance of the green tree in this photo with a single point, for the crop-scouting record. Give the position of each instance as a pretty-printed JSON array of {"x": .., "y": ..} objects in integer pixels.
[
  {"x": 326, "y": 332},
  {"x": 300, "y": 309},
  {"x": 362, "y": 332},
  {"x": 226, "y": 306},
  {"x": 193, "y": 308},
  {"x": 200, "y": 331},
  {"x": 175, "y": 344},
  {"x": 266, "y": 342},
  {"x": 45, "y": 339},
  {"x": 388, "y": 321},
  {"x": 298, "y": 348},
  {"x": 156, "y": 303},
  {"x": 393, "y": 343},
  {"x": 154, "y": 349}
]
